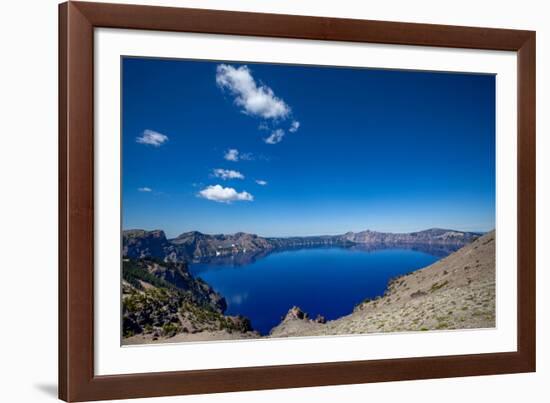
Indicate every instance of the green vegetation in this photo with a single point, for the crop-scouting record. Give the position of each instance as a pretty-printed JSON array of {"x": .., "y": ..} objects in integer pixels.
[
  {"x": 134, "y": 271},
  {"x": 170, "y": 329}
]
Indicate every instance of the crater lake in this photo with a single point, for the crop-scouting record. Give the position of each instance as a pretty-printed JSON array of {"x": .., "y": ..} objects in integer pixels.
[{"x": 327, "y": 281}]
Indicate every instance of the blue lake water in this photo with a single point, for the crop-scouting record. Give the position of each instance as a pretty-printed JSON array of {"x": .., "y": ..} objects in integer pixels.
[{"x": 325, "y": 281}]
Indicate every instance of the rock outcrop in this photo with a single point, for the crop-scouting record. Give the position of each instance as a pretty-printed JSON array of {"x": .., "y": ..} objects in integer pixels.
[
  {"x": 296, "y": 321},
  {"x": 140, "y": 244}
]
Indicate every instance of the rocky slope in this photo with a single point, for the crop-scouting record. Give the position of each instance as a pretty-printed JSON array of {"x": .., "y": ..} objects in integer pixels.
[
  {"x": 196, "y": 246},
  {"x": 457, "y": 292},
  {"x": 139, "y": 244},
  {"x": 199, "y": 246},
  {"x": 163, "y": 302},
  {"x": 433, "y": 236}
]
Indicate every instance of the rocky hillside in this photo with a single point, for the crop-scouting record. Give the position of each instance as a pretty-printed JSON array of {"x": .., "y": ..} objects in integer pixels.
[
  {"x": 434, "y": 236},
  {"x": 163, "y": 302},
  {"x": 196, "y": 246},
  {"x": 457, "y": 292},
  {"x": 139, "y": 244}
]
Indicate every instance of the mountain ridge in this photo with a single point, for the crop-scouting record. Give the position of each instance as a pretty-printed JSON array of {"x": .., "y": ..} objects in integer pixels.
[{"x": 197, "y": 246}]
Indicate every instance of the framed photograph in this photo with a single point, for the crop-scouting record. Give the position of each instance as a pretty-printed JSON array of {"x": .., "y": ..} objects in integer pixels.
[{"x": 256, "y": 201}]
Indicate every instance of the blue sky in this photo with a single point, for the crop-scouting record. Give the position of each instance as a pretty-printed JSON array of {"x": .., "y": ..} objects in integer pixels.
[{"x": 283, "y": 150}]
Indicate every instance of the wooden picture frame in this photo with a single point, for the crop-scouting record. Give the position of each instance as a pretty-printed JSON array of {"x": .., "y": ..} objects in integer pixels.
[{"x": 77, "y": 21}]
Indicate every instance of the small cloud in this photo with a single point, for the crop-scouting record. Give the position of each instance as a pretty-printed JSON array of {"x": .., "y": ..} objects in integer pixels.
[
  {"x": 275, "y": 137},
  {"x": 232, "y": 155},
  {"x": 145, "y": 189},
  {"x": 227, "y": 174},
  {"x": 221, "y": 194},
  {"x": 235, "y": 155},
  {"x": 254, "y": 99},
  {"x": 263, "y": 126},
  {"x": 153, "y": 138},
  {"x": 261, "y": 182},
  {"x": 294, "y": 126}
]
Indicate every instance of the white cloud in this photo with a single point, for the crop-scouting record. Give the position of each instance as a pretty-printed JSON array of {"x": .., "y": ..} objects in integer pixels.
[
  {"x": 261, "y": 182},
  {"x": 220, "y": 194},
  {"x": 254, "y": 99},
  {"x": 153, "y": 138},
  {"x": 145, "y": 189},
  {"x": 231, "y": 155},
  {"x": 235, "y": 155},
  {"x": 294, "y": 126},
  {"x": 227, "y": 174},
  {"x": 275, "y": 137}
]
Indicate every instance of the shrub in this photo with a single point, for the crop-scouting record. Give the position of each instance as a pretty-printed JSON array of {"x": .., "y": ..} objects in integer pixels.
[{"x": 170, "y": 329}]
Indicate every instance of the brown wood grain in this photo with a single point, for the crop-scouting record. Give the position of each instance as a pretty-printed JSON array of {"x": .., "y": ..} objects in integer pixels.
[
  {"x": 77, "y": 21},
  {"x": 63, "y": 319}
]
